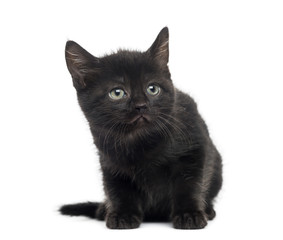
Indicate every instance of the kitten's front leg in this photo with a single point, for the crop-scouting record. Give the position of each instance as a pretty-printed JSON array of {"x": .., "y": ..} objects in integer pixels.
[
  {"x": 124, "y": 209},
  {"x": 188, "y": 210}
]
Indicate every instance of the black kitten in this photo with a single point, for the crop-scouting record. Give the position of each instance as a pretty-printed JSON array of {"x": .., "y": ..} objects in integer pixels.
[{"x": 157, "y": 159}]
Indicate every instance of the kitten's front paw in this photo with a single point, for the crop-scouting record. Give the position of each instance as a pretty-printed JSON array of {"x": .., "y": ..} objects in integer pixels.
[
  {"x": 190, "y": 220},
  {"x": 210, "y": 212},
  {"x": 122, "y": 221}
]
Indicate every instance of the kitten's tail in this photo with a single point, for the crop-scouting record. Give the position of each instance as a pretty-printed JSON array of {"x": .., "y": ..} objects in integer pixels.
[{"x": 88, "y": 209}]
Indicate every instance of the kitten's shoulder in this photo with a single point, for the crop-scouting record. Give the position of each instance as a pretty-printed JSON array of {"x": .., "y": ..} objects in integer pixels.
[
  {"x": 184, "y": 101},
  {"x": 186, "y": 111}
]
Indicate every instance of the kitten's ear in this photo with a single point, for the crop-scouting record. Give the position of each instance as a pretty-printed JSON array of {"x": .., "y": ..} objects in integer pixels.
[
  {"x": 80, "y": 63},
  {"x": 159, "y": 50}
]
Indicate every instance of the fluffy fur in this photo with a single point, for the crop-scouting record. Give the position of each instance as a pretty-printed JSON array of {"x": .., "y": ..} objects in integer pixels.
[{"x": 157, "y": 159}]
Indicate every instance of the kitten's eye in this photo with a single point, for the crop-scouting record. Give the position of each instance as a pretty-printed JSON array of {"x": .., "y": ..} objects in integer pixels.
[
  {"x": 153, "y": 90},
  {"x": 117, "y": 94}
]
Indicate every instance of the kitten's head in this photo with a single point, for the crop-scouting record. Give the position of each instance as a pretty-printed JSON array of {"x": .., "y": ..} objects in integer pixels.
[{"x": 128, "y": 91}]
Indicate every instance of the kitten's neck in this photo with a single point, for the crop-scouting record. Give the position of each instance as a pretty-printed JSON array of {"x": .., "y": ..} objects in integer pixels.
[{"x": 129, "y": 145}]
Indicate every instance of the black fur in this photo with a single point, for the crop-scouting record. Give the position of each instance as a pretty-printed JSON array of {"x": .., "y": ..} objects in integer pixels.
[{"x": 157, "y": 159}]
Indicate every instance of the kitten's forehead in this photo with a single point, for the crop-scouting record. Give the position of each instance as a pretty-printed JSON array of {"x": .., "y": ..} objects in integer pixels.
[
  {"x": 130, "y": 63},
  {"x": 132, "y": 68}
]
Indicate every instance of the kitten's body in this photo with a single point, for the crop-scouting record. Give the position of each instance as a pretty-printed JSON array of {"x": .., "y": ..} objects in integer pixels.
[{"x": 157, "y": 158}]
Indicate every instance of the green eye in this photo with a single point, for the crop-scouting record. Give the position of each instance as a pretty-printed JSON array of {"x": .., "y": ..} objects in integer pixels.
[
  {"x": 153, "y": 90},
  {"x": 117, "y": 94}
]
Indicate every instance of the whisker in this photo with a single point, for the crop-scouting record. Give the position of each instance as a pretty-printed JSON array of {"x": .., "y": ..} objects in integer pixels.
[
  {"x": 178, "y": 132},
  {"x": 161, "y": 129},
  {"x": 182, "y": 129},
  {"x": 111, "y": 129}
]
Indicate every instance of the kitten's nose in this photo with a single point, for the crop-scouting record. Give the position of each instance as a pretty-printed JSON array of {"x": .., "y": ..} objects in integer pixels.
[{"x": 141, "y": 107}]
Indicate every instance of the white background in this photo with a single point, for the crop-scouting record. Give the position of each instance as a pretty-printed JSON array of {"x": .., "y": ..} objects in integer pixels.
[{"x": 227, "y": 54}]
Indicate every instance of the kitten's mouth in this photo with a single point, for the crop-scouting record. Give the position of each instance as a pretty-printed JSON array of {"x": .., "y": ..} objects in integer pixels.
[{"x": 139, "y": 119}]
